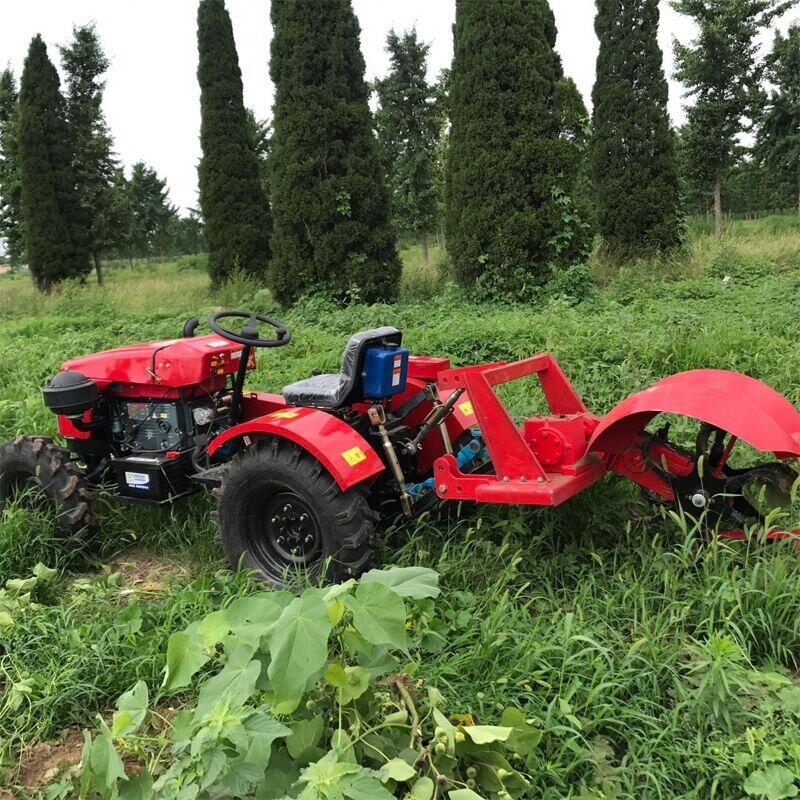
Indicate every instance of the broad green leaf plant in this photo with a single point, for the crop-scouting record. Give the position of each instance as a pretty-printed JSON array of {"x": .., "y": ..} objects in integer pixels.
[{"x": 304, "y": 697}]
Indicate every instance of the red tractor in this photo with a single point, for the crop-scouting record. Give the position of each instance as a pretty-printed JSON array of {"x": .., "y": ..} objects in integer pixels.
[{"x": 301, "y": 478}]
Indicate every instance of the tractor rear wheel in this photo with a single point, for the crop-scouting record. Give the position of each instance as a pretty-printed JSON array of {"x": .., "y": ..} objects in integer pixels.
[
  {"x": 36, "y": 473},
  {"x": 281, "y": 514}
]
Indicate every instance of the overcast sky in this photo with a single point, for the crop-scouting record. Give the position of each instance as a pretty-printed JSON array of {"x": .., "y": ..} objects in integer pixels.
[{"x": 152, "y": 99}]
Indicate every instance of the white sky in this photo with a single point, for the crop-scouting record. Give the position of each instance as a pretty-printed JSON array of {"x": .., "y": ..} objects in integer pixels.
[{"x": 152, "y": 98}]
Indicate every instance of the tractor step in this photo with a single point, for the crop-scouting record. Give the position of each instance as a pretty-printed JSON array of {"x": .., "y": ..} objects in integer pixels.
[{"x": 211, "y": 477}]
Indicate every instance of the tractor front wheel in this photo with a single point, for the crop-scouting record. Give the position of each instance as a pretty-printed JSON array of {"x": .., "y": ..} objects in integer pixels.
[
  {"x": 281, "y": 514},
  {"x": 37, "y": 474}
]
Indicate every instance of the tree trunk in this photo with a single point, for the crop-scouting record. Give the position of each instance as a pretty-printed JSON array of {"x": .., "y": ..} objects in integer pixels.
[
  {"x": 718, "y": 204},
  {"x": 98, "y": 267},
  {"x": 442, "y": 239},
  {"x": 426, "y": 260}
]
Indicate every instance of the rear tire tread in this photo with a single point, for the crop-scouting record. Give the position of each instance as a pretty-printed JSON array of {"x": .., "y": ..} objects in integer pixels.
[
  {"x": 349, "y": 538},
  {"x": 61, "y": 481}
]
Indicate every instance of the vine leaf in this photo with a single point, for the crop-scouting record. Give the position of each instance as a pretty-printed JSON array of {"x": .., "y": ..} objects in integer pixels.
[
  {"x": 102, "y": 766},
  {"x": 790, "y": 700},
  {"x": 774, "y": 782},
  {"x": 414, "y": 582},
  {"x": 213, "y": 627},
  {"x": 351, "y": 682},
  {"x": 524, "y": 737},
  {"x": 298, "y": 645},
  {"x": 263, "y": 731},
  {"x": 236, "y": 682},
  {"x": 464, "y": 794},
  {"x": 138, "y": 786},
  {"x": 250, "y": 616},
  {"x": 397, "y": 770},
  {"x": 331, "y": 779},
  {"x": 306, "y": 734},
  {"x": 379, "y": 614},
  {"x": 131, "y": 711},
  {"x": 485, "y": 734},
  {"x": 185, "y": 656},
  {"x": 422, "y": 789}
]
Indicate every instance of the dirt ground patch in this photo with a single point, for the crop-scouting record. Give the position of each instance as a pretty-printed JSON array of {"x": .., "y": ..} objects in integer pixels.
[
  {"x": 40, "y": 763},
  {"x": 145, "y": 571}
]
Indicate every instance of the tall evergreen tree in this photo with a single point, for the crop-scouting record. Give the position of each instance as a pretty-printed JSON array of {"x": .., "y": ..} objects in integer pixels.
[
  {"x": 235, "y": 209},
  {"x": 260, "y": 132},
  {"x": 510, "y": 165},
  {"x": 10, "y": 190},
  {"x": 329, "y": 200},
  {"x": 408, "y": 122},
  {"x": 94, "y": 164},
  {"x": 778, "y": 141},
  {"x": 55, "y": 239},
  {"x": 151, "y": 213},
  {"x": 723, "y": 72},
  {"x": 635, "y": 173}
]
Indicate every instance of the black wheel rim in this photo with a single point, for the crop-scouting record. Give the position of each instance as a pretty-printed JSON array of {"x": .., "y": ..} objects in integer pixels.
[{"x": 282, "y": 533}]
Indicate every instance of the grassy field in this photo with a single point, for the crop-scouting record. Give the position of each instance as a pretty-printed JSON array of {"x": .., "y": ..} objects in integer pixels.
[{"x": 651, "y": 666}]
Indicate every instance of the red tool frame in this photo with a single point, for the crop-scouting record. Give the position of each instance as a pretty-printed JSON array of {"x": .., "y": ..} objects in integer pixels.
[
  {"x": 520, "y": 476},
  {"x": 517, "y": 453}
]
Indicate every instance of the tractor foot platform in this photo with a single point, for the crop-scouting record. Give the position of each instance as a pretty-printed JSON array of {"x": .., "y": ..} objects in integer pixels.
[
  {"x": 550, "y": 490},
  {"x": 211, "y": 477}
]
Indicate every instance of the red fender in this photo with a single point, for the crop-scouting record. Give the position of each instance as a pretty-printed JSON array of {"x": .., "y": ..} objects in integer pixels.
[
  {"x": 739, "y": 404},
  {"x": 343, "y": 451}
]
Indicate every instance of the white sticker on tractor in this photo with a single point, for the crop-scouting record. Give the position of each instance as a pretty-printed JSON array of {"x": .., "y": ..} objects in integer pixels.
[{"x": 137, "y": 480}]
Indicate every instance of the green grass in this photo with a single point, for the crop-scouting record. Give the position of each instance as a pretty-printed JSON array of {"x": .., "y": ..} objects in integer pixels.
[{"x": 645, "y": 658}]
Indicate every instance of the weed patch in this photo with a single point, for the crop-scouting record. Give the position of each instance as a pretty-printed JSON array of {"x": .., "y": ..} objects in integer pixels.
[{"x": 647, "y": 663}]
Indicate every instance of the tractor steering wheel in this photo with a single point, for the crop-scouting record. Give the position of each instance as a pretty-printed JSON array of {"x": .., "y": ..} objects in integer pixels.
[{"x": 249, "y": 333}]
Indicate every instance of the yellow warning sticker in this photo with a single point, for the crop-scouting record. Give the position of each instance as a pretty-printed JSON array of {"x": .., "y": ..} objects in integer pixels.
[
  {"x": 466, "y": 408},
  {"x": 353, "y": 456},
  {"x": 285, "y": 414}
]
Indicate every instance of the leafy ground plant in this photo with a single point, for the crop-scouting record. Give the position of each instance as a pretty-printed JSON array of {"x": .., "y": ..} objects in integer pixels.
[
  {"x": 608, "y": 625},
  {"x": 306, "y": 697}
]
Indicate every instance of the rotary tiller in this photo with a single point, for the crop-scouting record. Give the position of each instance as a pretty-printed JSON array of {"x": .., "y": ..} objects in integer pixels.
[{"x": 301, "y": 478}]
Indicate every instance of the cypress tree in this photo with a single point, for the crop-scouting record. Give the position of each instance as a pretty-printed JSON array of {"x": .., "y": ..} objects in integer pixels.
[
  {"x": 633, "y": 150},
  {"x": 235, "y": 209},
  {"x": 10, "y": 212},
  {"x": 329, "y": 200},
  {"x": 510, "y": 166},
  {"x": 55, "y": 240}
]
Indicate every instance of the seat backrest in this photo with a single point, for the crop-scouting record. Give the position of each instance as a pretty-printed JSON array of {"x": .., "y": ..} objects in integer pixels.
[{"x": 354, "y": 353}]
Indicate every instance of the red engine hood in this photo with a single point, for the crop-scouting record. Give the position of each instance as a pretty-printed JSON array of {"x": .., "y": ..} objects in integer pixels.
[{"x": 173, "y": 363}]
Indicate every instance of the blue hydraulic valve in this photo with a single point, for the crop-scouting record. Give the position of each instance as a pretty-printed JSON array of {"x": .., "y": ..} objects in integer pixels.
[{"x": 474, "y": 450}]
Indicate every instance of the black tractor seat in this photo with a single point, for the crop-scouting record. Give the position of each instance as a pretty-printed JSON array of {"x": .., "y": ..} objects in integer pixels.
[{"x": 345, "y": 387}]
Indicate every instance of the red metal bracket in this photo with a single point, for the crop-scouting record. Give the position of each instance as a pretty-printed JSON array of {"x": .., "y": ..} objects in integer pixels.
[{"x": 519, "y": 476}]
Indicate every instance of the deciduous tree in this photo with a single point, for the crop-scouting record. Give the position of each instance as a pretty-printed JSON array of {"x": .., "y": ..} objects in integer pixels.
[
  {"x": 408, "y": 122},
  {"x": 330, "y": 204},
  {"x": 723, "y": 72},
  {"x": 778, "y": 140}
]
